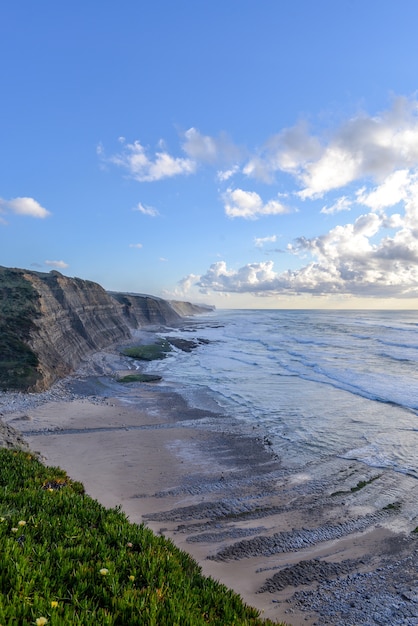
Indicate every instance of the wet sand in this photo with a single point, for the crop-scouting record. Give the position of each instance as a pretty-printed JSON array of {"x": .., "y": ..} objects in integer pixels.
[{"x": 331, "y": 544}]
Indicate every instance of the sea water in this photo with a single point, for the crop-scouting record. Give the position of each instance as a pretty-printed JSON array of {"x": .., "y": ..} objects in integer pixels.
[{"x": 320, "y": 383}]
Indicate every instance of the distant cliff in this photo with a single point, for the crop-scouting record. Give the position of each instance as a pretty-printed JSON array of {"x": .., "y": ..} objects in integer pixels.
[{"x": 49, "y": 323}]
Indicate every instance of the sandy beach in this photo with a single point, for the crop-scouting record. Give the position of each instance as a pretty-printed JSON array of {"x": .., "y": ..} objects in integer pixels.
[{"x": 332, "y": 545}]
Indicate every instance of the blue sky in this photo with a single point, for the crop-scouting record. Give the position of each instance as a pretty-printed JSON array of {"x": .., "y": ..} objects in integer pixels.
[{"x": 243, "y": 153}]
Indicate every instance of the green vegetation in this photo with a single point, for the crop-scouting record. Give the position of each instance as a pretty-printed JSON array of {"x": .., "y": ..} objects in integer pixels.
[
  {"x": 68, "y": 560},
  {"x": 149, "y": 352},
  {"x": 18, "y": 310},
  {"x": 360, "y": 485},
  {"x": 393, "y": 506},
  {"x": 139, "y": 378}
]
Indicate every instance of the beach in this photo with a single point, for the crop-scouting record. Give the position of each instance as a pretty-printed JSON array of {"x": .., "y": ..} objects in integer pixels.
[{"x": 330, "y": 545}]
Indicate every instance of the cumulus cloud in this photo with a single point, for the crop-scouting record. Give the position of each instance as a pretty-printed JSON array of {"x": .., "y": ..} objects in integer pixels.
[
  {"x": 224, "y": 175},
  {"x": 183, "y": 287},
  {"x": 62, "y": 265},
  {"x": 207, "y": 149},
  {"x": 260, "y": 241},
  {"x": 287, "y": 151},
  {"x": 146, "y": 210},
  {"x": 359, "y": 259},
  {"x": 249, "y": 205},
  {"x": 365, "y": 146},
  {"x": 141, "y": 167},
  {"x": 24, "y": 206},
  {"x": 392, "y": 191},
  {"x": 252, "y": 278},
  {"x": 342, "y": 204}
]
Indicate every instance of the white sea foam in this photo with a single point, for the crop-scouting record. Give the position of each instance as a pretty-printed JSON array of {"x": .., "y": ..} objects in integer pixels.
[{"x": 322, "y": 382}]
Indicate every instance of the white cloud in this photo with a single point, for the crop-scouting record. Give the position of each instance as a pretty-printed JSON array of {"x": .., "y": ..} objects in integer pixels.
[
  {"x": 260, "y": 241},
  {"x": 62, "y": 265},
  {"x": 392, "y": 191},
  {"x": 136, "y": 245},
  {"x": 358, "y": 259},
  {"x": 146, "y": 210},
  {"x": 366, "y": 146},
  {"x": 336, "y": 168},
  {"x": 254, "y": 277},
  {"x": 287, "y": 151},
  {"x": 142, "y": 168},
  {"x": 24, "y": 206},
  {"x": 200, "y": 147},
  {"x": 342, "y": 204},
  {"x": 206, "y": 149},
  {"x": 223, "y": 175},
  {"x": 363, "y": 147},
  {"x": 249, "y": 205},
  {"x": 184, "y": 286}
]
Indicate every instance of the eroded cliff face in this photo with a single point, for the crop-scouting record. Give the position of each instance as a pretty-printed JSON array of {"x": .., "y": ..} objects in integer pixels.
[
  {"x": 140, "y": 310},
  {"x": 49, "y": 323},
  {"x": 76, "y": 318},
  {"x": 188, "y": 308}
]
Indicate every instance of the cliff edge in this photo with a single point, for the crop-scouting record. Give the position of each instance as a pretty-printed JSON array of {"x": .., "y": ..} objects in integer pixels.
[{"x": 49, "y": 323}]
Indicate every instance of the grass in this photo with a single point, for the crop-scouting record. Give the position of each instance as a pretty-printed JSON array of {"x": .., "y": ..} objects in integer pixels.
[
  {"x": 149, "y": 352},
  {"x": 19, "y": 307},
  {"x": 68, "y": 560}
]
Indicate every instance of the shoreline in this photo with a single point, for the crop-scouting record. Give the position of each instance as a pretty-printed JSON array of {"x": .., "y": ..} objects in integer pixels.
[{"x": 286, "y": 540}]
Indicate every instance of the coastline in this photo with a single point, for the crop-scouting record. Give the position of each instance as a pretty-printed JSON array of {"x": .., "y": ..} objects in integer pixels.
[{"x": 324, "y": 554}]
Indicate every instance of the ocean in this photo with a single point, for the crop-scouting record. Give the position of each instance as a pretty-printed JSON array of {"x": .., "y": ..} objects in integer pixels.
[{"x": 320, "y": 383}]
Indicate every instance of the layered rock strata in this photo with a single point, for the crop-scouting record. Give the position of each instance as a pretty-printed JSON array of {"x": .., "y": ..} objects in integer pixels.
[{"x": 49, "y": 323}]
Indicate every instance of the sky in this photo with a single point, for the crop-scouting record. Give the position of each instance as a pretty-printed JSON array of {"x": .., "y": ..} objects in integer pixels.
[{"x": 239, "y": 153}]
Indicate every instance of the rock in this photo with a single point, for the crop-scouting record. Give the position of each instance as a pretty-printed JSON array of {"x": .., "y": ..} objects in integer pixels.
[{"x": 50, "y": 323}]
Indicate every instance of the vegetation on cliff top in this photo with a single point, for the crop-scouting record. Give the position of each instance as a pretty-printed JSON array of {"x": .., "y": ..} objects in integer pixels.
[
  {"x": 68, "y": 560},
  {"x": 18, "y": 310}
]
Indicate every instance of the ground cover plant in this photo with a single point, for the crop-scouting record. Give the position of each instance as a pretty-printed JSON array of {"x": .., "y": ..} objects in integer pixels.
[{"x": 65, "y": 559}]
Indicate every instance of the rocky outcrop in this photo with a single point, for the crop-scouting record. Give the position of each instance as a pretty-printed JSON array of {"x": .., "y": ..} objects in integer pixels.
[{"x": 49, "y": 323}]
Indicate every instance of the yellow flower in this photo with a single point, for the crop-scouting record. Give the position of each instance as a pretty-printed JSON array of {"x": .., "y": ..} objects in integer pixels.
[
  {"x": 14, "y": 530},
  {"x": 132, "y": 578},
  {"x": 41, "y": 621},
  {"x": 2, "y": 519},
  {"x": 21, "y": 523},
  {"x": 50, "y": 490},
  {"x": 104, "y": 571},
  {"x": 54, "y": 604}
]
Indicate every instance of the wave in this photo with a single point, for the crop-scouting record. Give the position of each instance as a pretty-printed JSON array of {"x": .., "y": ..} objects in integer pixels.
[{"x": 322, "y": 382}]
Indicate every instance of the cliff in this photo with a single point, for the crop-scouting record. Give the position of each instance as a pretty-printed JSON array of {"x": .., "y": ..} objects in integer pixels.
[
  {"x": 49, "y": 323},
  {"x": 187, "y": 308},
  {"x": 140, "y": 309}
]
